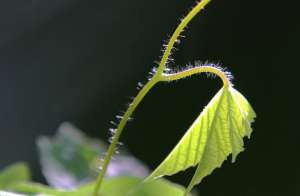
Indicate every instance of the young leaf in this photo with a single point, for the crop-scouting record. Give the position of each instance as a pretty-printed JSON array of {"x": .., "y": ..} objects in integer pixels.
[{"x": 215, "y": 134}]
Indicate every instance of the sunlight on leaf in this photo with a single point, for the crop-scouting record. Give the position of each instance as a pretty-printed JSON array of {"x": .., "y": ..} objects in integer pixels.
[{"x": 215, "y": 134}]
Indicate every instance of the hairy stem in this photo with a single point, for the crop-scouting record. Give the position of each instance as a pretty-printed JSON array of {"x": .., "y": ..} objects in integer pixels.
[
  {"x": 197, "y": 70},
  {"x": 159, "y": 76},
  {"x": 138, "y": 99},
  {"x": 120, "y": 128},
  {"x": 184, "y": 22}
]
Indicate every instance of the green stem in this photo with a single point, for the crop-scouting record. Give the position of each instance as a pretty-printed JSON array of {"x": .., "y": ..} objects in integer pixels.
[
  {"x": 120, "y": 128},
  {"x": 159, "y": 76},
  {"x": 184, "y": 22},
  {"x": 197, "y": 70},
  {"x": 138, "y": 99}
]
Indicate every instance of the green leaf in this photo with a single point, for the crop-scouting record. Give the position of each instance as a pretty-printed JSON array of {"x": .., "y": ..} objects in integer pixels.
[
  {"x": 157, "y": 188},
  {"x": 18, "y": 172},
  {"x": 133, "y": 186},
  {"x": 116, "y": 186},
  {"x": 31, "y": 188},
  {"x": 215, "y": 134},
  {"x": 119, "y": 186}
]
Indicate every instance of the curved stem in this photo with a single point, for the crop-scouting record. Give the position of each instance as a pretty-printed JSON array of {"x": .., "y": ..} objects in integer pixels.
[
  {"x": 159, "y": 76},
  {"x": 184, "y": 22},
  {"x": 138, "y": 99},
  {"x": 197, "y": 70}
]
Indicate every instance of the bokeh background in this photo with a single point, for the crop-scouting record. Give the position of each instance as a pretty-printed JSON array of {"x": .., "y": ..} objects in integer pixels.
[{"x": 80, "y": 61}]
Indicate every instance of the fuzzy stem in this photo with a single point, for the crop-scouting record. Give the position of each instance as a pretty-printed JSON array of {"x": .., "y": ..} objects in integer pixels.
[
  {"x": 120, "y": 128},
  {"x": 184, "y": 22},
  {"x": 159, "y": 76},
  {"x": 139, "y": 98},
  {"x": 197, "y": 70}
]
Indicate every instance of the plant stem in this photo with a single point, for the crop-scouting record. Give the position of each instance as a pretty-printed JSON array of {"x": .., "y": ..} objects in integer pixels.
[
  {"x": 120, "y": 128},
  {"x": 184, "y": 22},
  {"x": 197, "y": 70},
  {"x": 159, "y": 76},
  {"x": 139, "y": 98}
]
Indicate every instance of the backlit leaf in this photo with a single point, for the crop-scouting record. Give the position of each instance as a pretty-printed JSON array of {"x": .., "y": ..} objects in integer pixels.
[{"x": 215, "y": 134}]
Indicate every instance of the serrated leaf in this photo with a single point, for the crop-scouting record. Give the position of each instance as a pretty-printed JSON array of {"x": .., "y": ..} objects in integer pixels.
[
  {"x": 215, "y": 134},
  {"x": 18, "y": 172}
]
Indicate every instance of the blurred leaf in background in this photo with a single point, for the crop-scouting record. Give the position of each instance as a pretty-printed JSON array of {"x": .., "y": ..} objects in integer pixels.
[
  {"x": 115, "y": 186},
  {"x": 133, "y": 186},
  {"x": 67, "y": 162},
  {"x": 70, "y": 159}
]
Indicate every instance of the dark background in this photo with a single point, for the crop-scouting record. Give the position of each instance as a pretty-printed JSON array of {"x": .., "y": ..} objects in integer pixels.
[{"x": 80, "y": 61}]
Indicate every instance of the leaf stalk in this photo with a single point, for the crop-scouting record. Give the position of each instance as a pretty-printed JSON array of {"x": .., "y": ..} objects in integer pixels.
[{"x": 196, "y": 70}]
